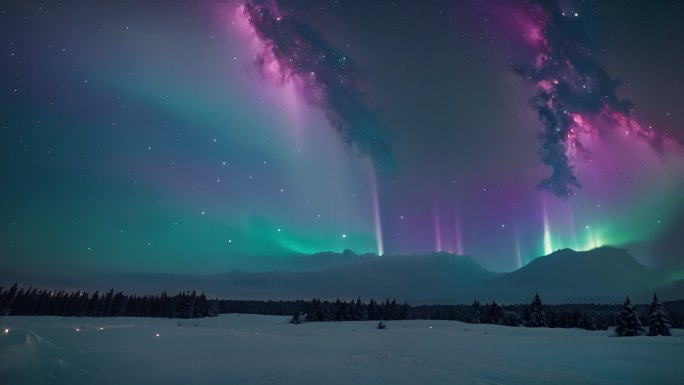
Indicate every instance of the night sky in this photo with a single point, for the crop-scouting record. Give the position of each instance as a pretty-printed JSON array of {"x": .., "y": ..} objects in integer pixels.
[{"x": 201, "y": 137}]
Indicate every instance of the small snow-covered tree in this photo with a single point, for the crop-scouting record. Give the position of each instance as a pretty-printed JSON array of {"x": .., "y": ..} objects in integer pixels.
[
  {"x": 476, "y": 313},
  {"x": 588, "y": 322},
  {"x": 494, "y": 313},
  {"x": 536, "y": 315},
  {"x": 629, "y": 325},
  {"x": 658, "y": 324}
]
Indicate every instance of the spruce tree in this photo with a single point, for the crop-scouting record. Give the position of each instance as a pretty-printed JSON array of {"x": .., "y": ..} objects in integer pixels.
[
  {"x": 629, "y": 325},
  {"x": 476, "y": 312},
  {"x": 494, "y": 313},
  {"x": 536, "y": 315},
  {"x": 658, "y": 325}
]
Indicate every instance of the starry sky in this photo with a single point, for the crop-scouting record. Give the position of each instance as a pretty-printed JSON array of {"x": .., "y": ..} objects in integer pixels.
[{"x": 201, "y": 137}]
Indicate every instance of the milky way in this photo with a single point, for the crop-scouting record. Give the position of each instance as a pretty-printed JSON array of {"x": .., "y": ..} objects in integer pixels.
[
  {"x": 576, "y": 98},
  {"x": 326, "y": 77}
]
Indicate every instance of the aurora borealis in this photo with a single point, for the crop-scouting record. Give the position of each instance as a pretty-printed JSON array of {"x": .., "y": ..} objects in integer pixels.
[{"x": 208, "y": 136}]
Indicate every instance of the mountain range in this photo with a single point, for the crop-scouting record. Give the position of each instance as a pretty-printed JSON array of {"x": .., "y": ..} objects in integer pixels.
[{"x": 602, "y": 275}]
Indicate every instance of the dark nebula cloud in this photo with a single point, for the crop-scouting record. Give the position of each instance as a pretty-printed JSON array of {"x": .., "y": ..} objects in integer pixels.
[
  {"x": 294, "y": 52},
  {"x": 576, "y": 98}
]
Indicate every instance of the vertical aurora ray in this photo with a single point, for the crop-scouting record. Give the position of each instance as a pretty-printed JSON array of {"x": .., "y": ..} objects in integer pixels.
[
  {"x": 294, "y": 55},
  {"x": 377, "y": 219},
  {"x": 571, "y": 222},
  {"x": 548, "y": 245},
  {"x": 518, "y": 250},
  {"x": 458, "y": 234},
  {"x": 437, "y": 228}
]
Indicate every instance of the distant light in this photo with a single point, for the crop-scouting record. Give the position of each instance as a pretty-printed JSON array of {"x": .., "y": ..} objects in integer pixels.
[
  {"x": 278, "y": 230},
  {"x": 77, "y": 330},
  {"x": 576, "y": 14},
  {"x": 101, "y": 328},
  {"x": 6, "y": 331},
  {"x": 156, "y": 335},
  {"x": 430, "y": 327},
  {"x": 344, "y": 235}
]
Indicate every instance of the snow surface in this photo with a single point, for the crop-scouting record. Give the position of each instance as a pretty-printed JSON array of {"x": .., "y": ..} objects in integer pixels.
[{"x": 252, "y": 349}]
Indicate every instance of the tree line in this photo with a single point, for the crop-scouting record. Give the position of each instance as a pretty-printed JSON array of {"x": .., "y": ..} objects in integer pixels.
[
  {"x": 627, "y": 319},
  {"x": 83, "y": 304},
  {"x": 534, "y": 314}
]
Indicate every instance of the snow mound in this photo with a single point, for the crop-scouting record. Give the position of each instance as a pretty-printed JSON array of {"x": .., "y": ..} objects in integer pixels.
[{"x": 21, "y": 347}]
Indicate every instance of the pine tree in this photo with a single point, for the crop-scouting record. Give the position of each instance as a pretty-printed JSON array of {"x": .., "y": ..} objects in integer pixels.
[
  {"x": 494, "y": 313},
  {"x": 295, "y": 318},
  {"x": 658, "y": 325},
  {"x": 536, "y": 315},
  {"x": 588, "y": 322},
  {"x": 476, "y": 312},
  {"x": 629, "y": 325},
  {"x": 8, "y": 300}
]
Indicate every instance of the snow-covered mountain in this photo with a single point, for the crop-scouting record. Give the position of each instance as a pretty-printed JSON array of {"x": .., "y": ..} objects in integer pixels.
[
  {"x": 602, "y": 275},
  {"x": 605, "y": 274}
]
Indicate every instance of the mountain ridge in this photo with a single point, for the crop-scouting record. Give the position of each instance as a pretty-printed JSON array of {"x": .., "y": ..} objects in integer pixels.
[{"x": 601, "y": 275}]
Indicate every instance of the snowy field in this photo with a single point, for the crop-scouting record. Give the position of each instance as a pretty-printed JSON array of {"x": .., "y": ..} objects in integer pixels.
[{"x": 251, "y": 349}]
